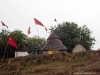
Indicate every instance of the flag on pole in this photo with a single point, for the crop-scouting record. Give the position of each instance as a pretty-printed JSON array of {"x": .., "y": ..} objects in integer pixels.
[
  {"x": 55, "y": 20},
  {"x": 28, "y": 31},
  {"x": 37, "y": 22},
  {"x": 12, "y": 42},
  {"x": 45, "y": 28},
  {"x": 4, "y": 24}
]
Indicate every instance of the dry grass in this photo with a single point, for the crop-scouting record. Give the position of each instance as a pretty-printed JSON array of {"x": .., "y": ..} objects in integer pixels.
[{"x": 57, "y": 64}]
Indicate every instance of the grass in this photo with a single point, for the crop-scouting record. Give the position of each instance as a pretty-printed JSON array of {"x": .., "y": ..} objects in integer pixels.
[{"x": 58, "y": 64}]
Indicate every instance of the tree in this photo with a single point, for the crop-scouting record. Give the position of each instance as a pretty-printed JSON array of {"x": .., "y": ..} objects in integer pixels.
[
  {"x": 71, "y": 34},
  {"x": 18, "y": 36},
  {"x": 34, "y": 44},
  {"x": 4, "y": 34}
]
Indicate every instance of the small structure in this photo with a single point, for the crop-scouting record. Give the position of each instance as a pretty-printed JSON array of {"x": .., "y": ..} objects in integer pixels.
[
  {"x": 21, "y": 51},
  {"x": 53, "y": 45},
  {"x": 78, "y": 48}
]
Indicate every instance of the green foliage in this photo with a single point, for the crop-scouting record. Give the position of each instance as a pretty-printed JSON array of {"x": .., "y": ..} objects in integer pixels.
[
  {"x": 3, "y": 37},
  {"x": 34, "y": 44},
  {"x": 18, "y": 36},
  {"x": 4, "y": 34},
  {"x": 71, "y": 34}
]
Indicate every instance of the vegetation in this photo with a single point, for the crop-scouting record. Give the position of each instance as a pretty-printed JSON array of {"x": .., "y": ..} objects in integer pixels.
[
  {"x": 18, "y": 36},
  {"x": 71, "y": 34},
  {"x": 32, "y": 43},
  {"x": 85, "y": 63}
]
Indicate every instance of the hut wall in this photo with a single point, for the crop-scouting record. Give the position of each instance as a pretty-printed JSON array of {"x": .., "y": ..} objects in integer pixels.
[
  {"x": 78, "y": 50},
  {"x": 63, "y": 51},
  {"x": 50, "y": 52},
  {"x": 45, "y": 52},
  {"x": 17, "y": 54},
  {"x": 53, "y": 52}
]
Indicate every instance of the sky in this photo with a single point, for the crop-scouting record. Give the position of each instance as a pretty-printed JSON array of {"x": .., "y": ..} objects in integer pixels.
[{"x": 20, "y": 14}]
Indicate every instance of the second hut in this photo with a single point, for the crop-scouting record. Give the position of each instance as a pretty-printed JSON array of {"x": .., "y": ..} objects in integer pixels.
[
  {"x": 53, "y": 45},
  {"x": 78, "y": 48},
  {"x": 21, "y": 51}
]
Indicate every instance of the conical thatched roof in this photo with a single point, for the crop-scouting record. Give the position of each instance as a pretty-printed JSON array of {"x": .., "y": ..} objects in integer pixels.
[
  {"x": 53, "y": 43},
  {"x": 78, "y": 48},
  {"x": 52, "y": 36},
  {"x": 22, "y": 48}
]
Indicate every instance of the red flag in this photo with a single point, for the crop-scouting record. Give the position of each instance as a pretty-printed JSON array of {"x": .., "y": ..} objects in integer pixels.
[
  {"x": 37, "y": 22},
  {"x": 55, "y": 20},
  {"x": 12, "y": 42},
  {"x": 29, "y": 31},
  {"x": 4, "y": 24}
]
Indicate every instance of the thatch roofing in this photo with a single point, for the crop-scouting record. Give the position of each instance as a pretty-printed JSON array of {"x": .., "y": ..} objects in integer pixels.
[
  {"x": 21, "y": 48},
  {"x": 52, "y": 36},
  {"x": 78, "y": 48},
  {"x": 53, "y": 43}
]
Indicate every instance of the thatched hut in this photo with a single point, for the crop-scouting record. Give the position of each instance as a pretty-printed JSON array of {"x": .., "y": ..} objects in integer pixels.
[
  {"x": 21, "y": 51},
  {"x": 78, "y": 48},
  {"x": 53, "y": 45}
]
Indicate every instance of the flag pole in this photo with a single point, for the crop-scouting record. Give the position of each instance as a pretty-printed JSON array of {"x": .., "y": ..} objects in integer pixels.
[
  {"x": 37, "y": 31},
  {"x": 49, "y": 29},
  {"x": 4, "y": 54},
  {"x": 45, "y": 35}
]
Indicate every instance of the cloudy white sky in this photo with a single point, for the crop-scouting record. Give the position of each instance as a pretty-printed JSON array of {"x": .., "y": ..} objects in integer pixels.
[{"x": 19, "y": 14}]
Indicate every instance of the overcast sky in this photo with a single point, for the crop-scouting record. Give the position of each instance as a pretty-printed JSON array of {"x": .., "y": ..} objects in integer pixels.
[{"x": 19, "y": 14}]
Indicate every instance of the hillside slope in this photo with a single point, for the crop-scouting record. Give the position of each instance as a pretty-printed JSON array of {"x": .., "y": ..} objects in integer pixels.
[{"x": 86, "y": 63}]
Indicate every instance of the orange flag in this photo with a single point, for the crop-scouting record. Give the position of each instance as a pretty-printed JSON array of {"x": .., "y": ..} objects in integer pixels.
[
  {"x": 55, "y": 20},
  {"x": 28, "y": 31},
  {"x": 12, "y": 42},
  {"x": 4, "y": 24},
  {"x": 37, "y": 22}
]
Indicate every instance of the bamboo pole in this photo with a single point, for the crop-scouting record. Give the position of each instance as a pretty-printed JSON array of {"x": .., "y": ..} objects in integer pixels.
[
  {"x": 4, "y": 55},
  {"x": 37, "y": 31}
]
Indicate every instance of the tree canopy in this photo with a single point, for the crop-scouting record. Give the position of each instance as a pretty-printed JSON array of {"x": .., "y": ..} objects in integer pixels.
[
  {"x": 71, "y": 34},
  {"x": 31, "y": 43},
  {"x": 19, "y": 36}
]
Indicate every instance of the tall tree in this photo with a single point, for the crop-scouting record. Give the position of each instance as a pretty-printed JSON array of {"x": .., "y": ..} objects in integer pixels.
[
  {"x": 34, "y": 44},
  {"x": 4, "y": 34},
  {"x": 18, "y": 36},
  {"x": 71, "y": 34}
]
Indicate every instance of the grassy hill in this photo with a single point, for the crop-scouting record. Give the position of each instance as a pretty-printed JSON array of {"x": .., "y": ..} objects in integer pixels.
[{"x": 85, "y": 63}]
